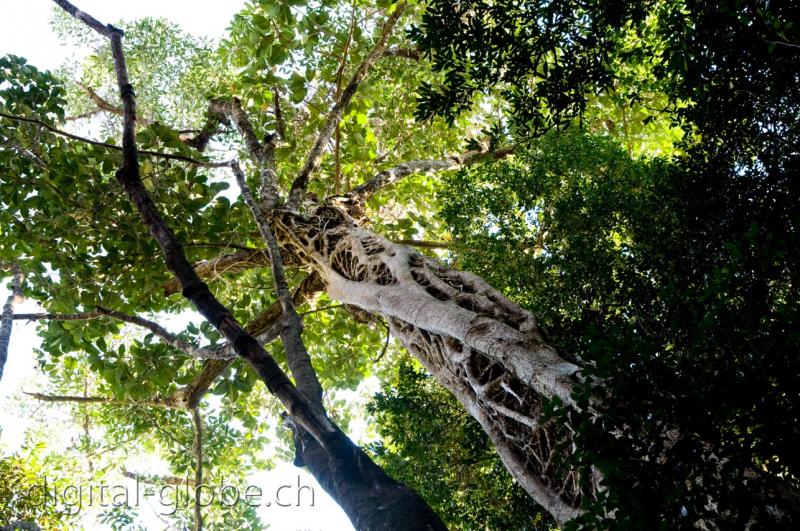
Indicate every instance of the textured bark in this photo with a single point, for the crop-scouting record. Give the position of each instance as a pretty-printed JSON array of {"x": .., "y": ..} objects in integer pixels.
[
  {"x": 482, "y": 347},
  {"x": 7, "y": 319}
]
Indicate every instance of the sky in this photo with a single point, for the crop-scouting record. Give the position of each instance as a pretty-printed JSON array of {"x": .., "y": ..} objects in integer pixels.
[{"x": 25, "y": 31}]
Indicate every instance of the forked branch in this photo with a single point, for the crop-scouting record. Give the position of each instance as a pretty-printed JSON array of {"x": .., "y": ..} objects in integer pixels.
[{"x": 300, "y": 183}]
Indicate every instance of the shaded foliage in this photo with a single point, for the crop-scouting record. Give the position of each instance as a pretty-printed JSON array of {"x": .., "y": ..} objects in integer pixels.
[{"x": 446, "y": 457}]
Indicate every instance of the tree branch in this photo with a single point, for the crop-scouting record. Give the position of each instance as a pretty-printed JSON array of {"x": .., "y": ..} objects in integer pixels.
[
  {"x": 423, "y": 244},
  {"x": 404, "y": 52},
  {"x": 154, "y": 154},
  {"x": 152, "y": 402},
  {"x": 226, "y": 264},
  {"x": 300, "y": 183},
  {"x": 297, "y": 357},
  {"x": 195, "y": 289},
  {"x": 280, "y": 125},
  {"x": 262, "y": 152},
  {"x": 167, "y": 337},
  {"x": 392, "y": 175},
  {"x": 104, "y": 105}
]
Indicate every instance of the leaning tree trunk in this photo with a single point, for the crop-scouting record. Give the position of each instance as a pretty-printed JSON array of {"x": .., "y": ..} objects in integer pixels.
[{"x": 482, "y": 347}]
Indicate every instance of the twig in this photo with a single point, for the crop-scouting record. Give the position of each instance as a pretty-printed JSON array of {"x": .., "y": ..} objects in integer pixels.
[{"x": 395, "y": 173}]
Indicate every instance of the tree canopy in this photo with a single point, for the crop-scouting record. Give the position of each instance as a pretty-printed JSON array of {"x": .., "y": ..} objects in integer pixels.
[{"x": 542, "y": 255}]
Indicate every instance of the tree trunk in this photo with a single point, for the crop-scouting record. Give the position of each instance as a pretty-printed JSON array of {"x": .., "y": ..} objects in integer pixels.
[
  {"x": 370, "y": 497},
  {"x": 479, "y": 345}
]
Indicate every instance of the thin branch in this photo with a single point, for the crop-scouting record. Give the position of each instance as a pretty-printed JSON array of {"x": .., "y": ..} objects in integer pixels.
[
  {"x": 396, "y": 173},
  {"x": 167, "y": 337},
  {"x": 226, "y": 264},
  {"x": 404, "y": 52},
  {"x": 322, "y": 309},
  {"x": 195, "y": 289},
  {"x": 280, "y": 125},
  {"x": 385, "y": 345},
  {"x": 104, "y": 105},
  {"x": 424, "y": 244},
  {"x": 7, "y": 319},
  {"x": 99, "y": 27},
  {"x": 297, "y": 357},
  {"x": 300, "y": 183},
  {"x": 262, "y": 152},
  {"x": 154, "y": 154},
  {"x": 151, "y": 402},
  {"x": 197, "y": 422},
  {"x": 338, "y": 133}
]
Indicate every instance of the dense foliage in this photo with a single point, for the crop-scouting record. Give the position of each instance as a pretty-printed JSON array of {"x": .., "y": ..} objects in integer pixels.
[{"x": 676, "y": 283}]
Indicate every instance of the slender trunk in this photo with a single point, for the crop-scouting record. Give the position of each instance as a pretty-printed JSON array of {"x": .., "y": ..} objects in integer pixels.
[{"x": 7, "y": 319}]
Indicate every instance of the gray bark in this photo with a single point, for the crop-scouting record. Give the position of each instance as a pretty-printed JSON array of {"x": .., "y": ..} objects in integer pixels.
[{"x": 482, "y": 347}]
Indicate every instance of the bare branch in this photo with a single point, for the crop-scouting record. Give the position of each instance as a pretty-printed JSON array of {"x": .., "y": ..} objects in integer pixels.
[
  {"x": 104, "y": 105},
  {"x": 154, "y": 154},
  {"x": 338, "y": 132},
  {"x": 300, "y": 183},
  {"x": 424, "y": 244},
  {"x": 152, "y": 402},
  {"x": 262, "y": 152},
  {"x": 404, "y": 52},
  {"x": 280, "y": 125},
  {"x": 167, "y": 337},
  {"x": 226, "y": 264},
  {"x": 395, "y": 173},
  {"x": 99, "y": 27}
]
